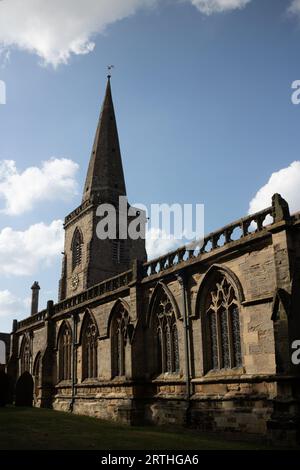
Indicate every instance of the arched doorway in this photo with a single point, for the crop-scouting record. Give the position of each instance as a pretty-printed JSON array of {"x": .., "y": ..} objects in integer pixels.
[
  {"x": 24, "y": 390},
  {"x": 4, "y": 388}
]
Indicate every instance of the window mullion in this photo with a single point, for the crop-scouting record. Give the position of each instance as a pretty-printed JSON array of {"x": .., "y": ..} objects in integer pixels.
[
  {"x": 230, "y": 338},
  {"x": 219, "y": 339},
  {"x": 163, "y": 349}
]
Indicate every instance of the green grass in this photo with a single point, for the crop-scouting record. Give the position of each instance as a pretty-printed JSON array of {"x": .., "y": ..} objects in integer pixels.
[{"x": 33, "y": 428}]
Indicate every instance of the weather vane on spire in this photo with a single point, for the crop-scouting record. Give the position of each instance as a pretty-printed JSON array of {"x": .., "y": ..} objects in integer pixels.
[{"x": 109, "y": 68}]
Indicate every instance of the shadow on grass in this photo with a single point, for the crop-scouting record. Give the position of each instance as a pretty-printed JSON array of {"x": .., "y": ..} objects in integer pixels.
[{"x": 34, "y": 428}]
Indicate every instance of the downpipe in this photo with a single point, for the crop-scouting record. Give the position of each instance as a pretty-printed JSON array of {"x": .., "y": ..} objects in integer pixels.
[
  {"x": 181, "y": 276},
  {"x": 73, "y": 370}
]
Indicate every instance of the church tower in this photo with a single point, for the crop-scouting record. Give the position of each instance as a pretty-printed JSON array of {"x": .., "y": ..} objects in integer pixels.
[{"x": 88, "y": 259}]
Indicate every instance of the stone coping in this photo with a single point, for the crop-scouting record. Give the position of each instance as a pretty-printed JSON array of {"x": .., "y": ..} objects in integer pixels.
[{"x": 215, "y": 245}]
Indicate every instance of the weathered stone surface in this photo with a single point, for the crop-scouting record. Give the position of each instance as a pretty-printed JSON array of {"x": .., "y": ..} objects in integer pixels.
[{"x": 147, "y": 330}]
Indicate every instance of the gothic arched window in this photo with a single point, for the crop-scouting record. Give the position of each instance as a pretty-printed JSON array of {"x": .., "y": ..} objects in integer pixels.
[
  {"x": 89, "y": 350},
  {"x": 119, "y": 337},
  {"x": 76, "y": 248},
  {"x": 36, "y": 374},
  {"x": 165, "y": 330},
  {"x": 25, "y": 355},
  {"x": 65, "y": 353},
  {"x": 222, "y": 326}
]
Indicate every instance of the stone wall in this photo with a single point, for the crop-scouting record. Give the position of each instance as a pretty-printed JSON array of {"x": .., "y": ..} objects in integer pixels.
[{"x": 262, "y": 267}]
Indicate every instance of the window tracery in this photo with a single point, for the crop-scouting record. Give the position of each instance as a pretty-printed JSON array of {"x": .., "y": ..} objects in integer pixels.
[{"x": 223, "y": 326}]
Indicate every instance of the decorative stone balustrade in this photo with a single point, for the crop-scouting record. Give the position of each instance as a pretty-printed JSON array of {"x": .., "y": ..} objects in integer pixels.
[
  {"x": 102, "y": 288},
  {"x": 243, "y": 228},
  {"x": 235, "y": 231},
  {"x": 40, "y": 316}
]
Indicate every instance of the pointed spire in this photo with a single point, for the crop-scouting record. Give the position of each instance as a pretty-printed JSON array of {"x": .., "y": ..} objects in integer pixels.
[{"x": 105, "y": 177}]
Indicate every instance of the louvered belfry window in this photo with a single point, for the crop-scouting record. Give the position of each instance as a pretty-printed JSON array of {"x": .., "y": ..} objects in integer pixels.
[{"x": 76, "y": 248}]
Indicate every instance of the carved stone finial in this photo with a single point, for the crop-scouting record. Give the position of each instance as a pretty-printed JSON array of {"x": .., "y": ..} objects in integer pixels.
[
  {"x": 281, "y": 209},
  {"x": 50, "y": 305},
  {"x": 14, "y": 325},
  {"x": 137, "y": 270},
  {"x": 35, "y": 298}
]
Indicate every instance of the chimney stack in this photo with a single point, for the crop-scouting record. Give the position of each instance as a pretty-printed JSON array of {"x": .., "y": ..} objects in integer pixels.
[{"x": 35, "y": 298}]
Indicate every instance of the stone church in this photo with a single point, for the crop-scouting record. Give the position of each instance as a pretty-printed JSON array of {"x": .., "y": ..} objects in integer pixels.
[{"x": 197, "y": 338}]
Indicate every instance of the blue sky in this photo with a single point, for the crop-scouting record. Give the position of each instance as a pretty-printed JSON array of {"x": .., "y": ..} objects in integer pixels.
[{"x": 204, "y": 111}]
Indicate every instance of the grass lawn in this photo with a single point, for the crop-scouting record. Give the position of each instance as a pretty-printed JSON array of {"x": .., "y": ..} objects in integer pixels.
[{"x": 34, "y": 428}]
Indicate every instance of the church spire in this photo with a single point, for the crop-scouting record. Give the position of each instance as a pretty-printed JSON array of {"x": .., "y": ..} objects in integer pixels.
[{"x": 105, "y": 177}]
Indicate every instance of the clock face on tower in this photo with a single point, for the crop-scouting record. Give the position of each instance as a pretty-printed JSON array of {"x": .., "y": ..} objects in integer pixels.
[{"x": 74, "y": 281}]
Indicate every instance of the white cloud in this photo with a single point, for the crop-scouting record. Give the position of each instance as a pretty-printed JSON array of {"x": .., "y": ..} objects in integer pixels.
[
  {"x": 285, "y": 182},
  {"x": 23, "y": 253},
  {"x": 56, "y": 29},
  {"x": 158, "y": 243},
  {"x": 294, "y": 8},
  {"x": 218, "y": 6},
  {"x": 55, "y": 180},
  {"x": 4, "y": 57},
  {"x": 10, "y": 304}
]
